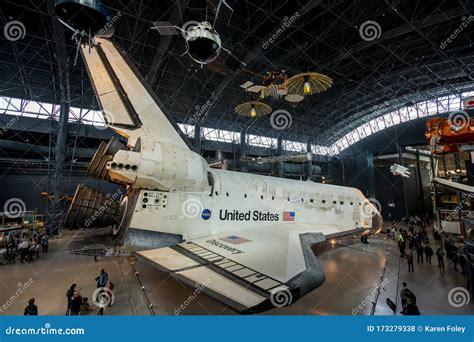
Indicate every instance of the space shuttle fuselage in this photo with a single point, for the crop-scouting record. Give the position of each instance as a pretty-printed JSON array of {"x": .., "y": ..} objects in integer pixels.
[{"x": 177, "y": 193}]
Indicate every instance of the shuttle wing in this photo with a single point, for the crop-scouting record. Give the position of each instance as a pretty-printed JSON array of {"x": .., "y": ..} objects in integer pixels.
[{"x": 251, "y": 270}]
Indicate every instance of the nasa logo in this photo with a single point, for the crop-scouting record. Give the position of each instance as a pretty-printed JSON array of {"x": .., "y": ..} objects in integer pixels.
[{"x": 206, "y": 214}]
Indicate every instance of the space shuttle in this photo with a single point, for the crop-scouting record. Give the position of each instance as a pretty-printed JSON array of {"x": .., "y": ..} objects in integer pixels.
[{"x": 243, "y": 239}]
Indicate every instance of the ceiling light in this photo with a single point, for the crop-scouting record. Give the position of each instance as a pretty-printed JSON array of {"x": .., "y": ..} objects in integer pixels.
[
  {"x": 253, "y": 112},
  {"x": 308, "y": 83},
  {"x": 306, "y": 88},
  {"x": 253, "y": 109}
]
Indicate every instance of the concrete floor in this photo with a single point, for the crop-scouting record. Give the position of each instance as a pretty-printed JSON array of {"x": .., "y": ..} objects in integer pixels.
[{"x": 353, "y": 272}]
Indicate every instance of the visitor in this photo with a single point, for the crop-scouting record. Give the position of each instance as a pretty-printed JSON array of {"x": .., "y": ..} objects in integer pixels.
[
  {"x": 409, "y": 257},
  {"x": 411, "y": 242},
  {"x": 455, "y": 260},
  {"x": 31, "y": 250},
  {"x": 69, "y": 295},
  {"x": 23, "y": 247},
  {"x": 406, "y": 294},
  {"x": 401, "y": 247},
  {"x": 102, "y": 279},
  {"x": 102, "y": 303},
  {"x": 31, "y": 309},
  {"x": 429, "y": 253},
  {"x": 76, "y": 304},
  {"x": 411, "y": 309},
  {"x": 45, "y": 243},
  {"x": 419, "y": 252},
  {"x": 37, "y": 250},
  {"x": 462, "y": 262},
  {"x": 440, "y": 253}
]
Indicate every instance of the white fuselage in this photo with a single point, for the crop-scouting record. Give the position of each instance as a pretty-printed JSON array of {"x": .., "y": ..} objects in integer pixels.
[
  {"x": 185, "y": 197},
  {"x": 180, "y": 195},
  {"x": 242, "y": 201}
]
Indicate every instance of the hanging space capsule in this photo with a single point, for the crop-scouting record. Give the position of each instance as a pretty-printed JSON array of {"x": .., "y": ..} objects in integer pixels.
[{"x": 85, "y": 17}]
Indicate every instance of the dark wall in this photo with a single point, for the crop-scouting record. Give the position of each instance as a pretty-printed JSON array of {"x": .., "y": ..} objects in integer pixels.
[
  {"x": 391, "y": 189},
  {"x": 359, "y": 172}
]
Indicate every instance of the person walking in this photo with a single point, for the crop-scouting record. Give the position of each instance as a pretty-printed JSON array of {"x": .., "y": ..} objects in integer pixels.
[
  {"x": 409, "y": 257},
  {"x": 31, "y": 309},
  {"x": 102, "y": 279},
  {"x": 105, "y": 298},
  {"x": 31, "y": 250},
  {"x": 102, "y": 303},
  {"x": 23, "y": 248},
  {"x": 110, "y": 288},
  {"x": 411, "y": 308},
  {"x": 455, "y": 260},
  {"x": 401, "y": 247},
  {"x": 411, "y": 242},
  {"x": 429, "y": 253},
  {"x": 440, "y": 253},
  {"x": 405, "y": 295},
  {"x": 462, "y": 262},
  {"x": 419, "y": 253},
  {"x": 45, "y": 243},
  {"x": 69, "y": 295},
  {"x": 436, "y": 236},
  {"x": 37, "y": 250},
  {"x": 76, "y": 304}
]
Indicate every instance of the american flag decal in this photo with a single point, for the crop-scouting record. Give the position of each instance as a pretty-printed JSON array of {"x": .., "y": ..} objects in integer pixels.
[
  {"x": 288, "y": 216},
  {"x": 235, "y": 240}
]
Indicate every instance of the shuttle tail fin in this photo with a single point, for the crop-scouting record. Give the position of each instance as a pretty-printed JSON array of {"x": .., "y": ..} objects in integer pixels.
[{"x": 127, "y": 101}]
